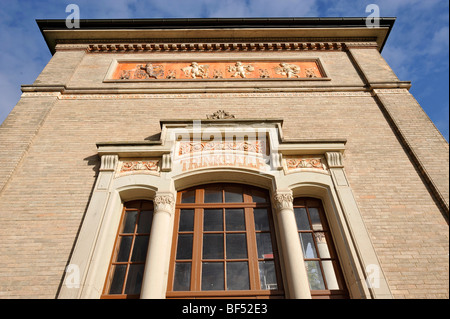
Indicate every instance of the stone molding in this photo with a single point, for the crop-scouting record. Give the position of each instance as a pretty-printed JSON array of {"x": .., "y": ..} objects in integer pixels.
[
  {"x": 166, "y": 163},
  {"x": 108, "y": 162},
  {"x": 391, "y": 91},
  {"x": 139, "y": 95},
  {"x": 335, "y": 159},
  {"x": 218, "y": 46},
  {"x": 72, "y": 47}
]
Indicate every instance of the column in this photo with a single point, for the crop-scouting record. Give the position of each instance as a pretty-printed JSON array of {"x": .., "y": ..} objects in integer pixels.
[
  {"x": 297, "y": 278},
  {"x": 154, "y": 283}
]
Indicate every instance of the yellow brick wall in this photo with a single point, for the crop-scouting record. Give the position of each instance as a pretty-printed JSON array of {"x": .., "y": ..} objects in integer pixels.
[{"x": 49, "y": 166}]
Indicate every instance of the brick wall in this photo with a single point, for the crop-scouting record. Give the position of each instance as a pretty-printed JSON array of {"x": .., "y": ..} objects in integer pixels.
[{"x": 43, "y": 202}]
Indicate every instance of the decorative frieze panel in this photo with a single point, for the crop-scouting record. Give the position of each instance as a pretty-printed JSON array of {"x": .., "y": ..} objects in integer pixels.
[
  {"x": 299, "y": 163},
  {"x": 249, "y": 154},
  {"x": 216, "y": 70},
  {"x": 141, "y": 166},
  {"x": 255, "y": 146}
]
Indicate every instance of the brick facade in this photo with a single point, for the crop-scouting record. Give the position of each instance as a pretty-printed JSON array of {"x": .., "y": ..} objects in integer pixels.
[{"x": 395, "y": 160}]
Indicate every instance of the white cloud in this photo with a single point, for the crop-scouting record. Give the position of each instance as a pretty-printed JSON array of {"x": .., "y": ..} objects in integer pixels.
[{"x": 440, "y": 41}]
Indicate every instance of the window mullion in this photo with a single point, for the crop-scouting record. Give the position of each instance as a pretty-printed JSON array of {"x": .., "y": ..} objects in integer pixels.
[
  {"x": 197, "y": 250},
  {"x": 252, "y": 253}
]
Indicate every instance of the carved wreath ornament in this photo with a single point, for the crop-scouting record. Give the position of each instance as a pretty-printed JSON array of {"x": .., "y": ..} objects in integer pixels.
[{"x": 220, "y": 115}]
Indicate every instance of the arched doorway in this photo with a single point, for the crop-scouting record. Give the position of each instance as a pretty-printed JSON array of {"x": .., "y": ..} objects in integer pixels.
[{"x": 224, "y": 244}]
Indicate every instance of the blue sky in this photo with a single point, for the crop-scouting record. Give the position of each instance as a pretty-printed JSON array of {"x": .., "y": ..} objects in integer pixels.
[{"x": 417, "y": 49}]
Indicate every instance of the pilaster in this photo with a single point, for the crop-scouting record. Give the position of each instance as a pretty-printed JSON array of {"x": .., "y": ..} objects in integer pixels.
[{"x": 375, "y": 280}]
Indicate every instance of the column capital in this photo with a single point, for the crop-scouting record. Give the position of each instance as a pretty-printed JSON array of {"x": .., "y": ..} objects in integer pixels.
[
  {"x": 284, "y": 200},
  {"x": 164, "y": 202}
]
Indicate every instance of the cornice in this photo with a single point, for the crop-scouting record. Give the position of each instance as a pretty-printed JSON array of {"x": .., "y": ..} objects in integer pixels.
[
  {"x": 136, "y": 47},
  {"x": 314, "y": 30}
]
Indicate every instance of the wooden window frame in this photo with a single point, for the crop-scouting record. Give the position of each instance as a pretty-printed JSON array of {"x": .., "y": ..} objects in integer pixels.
[
  {"x": 342, "y": 293},
  {"x": 196, "y": 262},
  {"x": 128, "y": 263}
]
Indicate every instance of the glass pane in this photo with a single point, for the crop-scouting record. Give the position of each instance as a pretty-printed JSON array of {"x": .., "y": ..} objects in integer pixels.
[
  {"x": 213, "y": 219},
  {"x": 130, "y": 222},
  {"x": 314, "y": 275},
  {"x": 186, "y": 220},
  {"x": 133, "y": 204},
  {"x": 146, "y": 205},
  {"x": 309, "y": 250},
  {"x": 233, "y": 195},
  {"x": 330, "y": 275},
  {"x": 212, "y": 276},
  {"x": 182, "y": 279},
  {"x": 124, "y": 248},
  {"x": 184, "y": 249},
  {"x": 259, "y": 197},
  {"x": 261, "y": 218},
  {"x": 234, "y": 219},
  {"x": 237, "y": 276},
  {"x": 188, "y": 197},
  {"x": 118, "y": 278},
  {"x": 213, "y": 246},
  {"x": 140, "y": 248},
  {"x": 236, "y": 246},
  {"x": 213, "y": 195},
  {"x": 322, "y": 245},
  {"x": 145, "y": 222},
  {"x": 134, "y": 279},
  {"x": 315, "y": 218},
  {"x": 264, "y": 245},
  {"x": 302, "y": 218},
  {"x": 267, "y": 275}
]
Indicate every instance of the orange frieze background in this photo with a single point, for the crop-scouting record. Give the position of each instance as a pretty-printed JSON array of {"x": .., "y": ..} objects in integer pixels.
[{"x": 216, "y": 70}]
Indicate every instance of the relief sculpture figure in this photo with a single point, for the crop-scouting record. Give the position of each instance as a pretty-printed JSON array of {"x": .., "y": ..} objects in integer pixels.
[
  {"x": 290, "y": 70},
  {"x": 240, "y": 69},
  {"x": 152, "y": 71},
  {"x": 195, "y": 70}
]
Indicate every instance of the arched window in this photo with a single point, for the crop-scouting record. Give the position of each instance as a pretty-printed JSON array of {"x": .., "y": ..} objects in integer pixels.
[
  {"x": 126, "y": 269},
  {"x": 224, "y": 244},
  {"x": 324, "y": 272}
]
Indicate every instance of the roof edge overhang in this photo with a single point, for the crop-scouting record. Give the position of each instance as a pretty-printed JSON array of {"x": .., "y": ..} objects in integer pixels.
[{"x": 91, "y": 30}]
